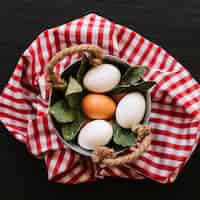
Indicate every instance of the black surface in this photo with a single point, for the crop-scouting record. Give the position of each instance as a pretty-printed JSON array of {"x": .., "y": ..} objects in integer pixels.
[{"x": 172, "y": 24}]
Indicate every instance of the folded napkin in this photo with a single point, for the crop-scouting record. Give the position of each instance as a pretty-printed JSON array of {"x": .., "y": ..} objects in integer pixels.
[{"x": 175, "y": 117}]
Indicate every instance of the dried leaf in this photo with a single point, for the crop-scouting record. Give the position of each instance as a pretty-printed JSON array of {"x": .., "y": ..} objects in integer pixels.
[
  {"x": 141, "y": 86},
  {"x": 133, "y": 75},
  {"x": 70, "y": 130},
  {"x": 74, "y": 100},
  {"x": 123, "y": 137},
  {"x": 73, "y": 87},
  {"x": 120, "y": 89},
  {"x": 144, "y": 86},
  {"x": 85, "y": 64},
  {"x": 61, "y": 113}
]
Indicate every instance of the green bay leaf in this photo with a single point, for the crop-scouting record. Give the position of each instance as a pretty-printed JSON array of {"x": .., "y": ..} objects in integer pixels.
[
  {"x": 74, "y": 100},
  {"x": 61, "y": 113},
  {"x": 141, "y": 86},
  {"x": 73, "y": 93},
  {"x": 73, "y": 87},
  {"x": 70, "y": 130},
  {"x": 133, "y": 74},
  {"x": 121, "y": 88},
  {"x": 85, "y": 64},
  {"x": 144, "y": 86},
  {"x": 123, "y": 137}
]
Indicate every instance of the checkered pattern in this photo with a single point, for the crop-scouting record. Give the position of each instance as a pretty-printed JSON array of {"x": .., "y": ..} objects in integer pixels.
[{"x": 175, "y": 116}]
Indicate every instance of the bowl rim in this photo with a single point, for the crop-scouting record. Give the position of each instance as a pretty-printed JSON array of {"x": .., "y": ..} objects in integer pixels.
[{"x": 77, "y": 148}]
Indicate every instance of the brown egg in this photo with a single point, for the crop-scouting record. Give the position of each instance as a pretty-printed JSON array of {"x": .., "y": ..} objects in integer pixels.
[{"x": 98, "y": 106}]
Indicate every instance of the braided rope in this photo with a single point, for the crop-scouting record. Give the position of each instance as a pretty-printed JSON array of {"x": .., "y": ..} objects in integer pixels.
[
  {"x": 124, "y": 159},
  {"x": 107, "y": 157}
]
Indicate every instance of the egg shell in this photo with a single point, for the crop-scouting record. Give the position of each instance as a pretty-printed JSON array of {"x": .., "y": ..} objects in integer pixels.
[
  {"x": 95, "y": 133},
  {"x": 98, "y": 106},
  {"x": 102, "y": 78},
  {"x": 130, "y": 110}
]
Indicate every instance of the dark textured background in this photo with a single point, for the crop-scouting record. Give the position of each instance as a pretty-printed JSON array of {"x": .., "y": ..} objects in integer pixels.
[{"x": 172, "y": 24}]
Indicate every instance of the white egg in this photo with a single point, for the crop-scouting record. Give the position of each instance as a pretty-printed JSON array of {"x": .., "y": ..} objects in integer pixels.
[
  {"x": 130, "y": 110},
  {"x": 102, "y": 78},
  {"x": 95, "y": 133}
]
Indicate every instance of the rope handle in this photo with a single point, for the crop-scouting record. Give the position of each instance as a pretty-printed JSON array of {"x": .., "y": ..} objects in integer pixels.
[
  {"x": 95, "y": 57},
  {"x": 125, "y": 159},
  {"x": 105, "y": 156}
]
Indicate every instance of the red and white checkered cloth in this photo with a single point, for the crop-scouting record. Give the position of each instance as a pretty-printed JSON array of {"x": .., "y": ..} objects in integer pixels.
[{"x": 175, "y": 117}]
